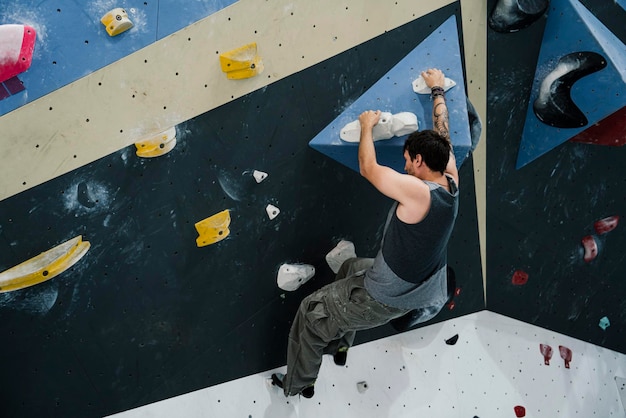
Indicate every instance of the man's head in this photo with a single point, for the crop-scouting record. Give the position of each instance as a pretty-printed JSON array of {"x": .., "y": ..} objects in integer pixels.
[{"x": 432, "y": 148}]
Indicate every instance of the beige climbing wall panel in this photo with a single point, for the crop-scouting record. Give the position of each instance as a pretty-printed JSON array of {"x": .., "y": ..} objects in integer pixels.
[{"x": 179, "y": 77}]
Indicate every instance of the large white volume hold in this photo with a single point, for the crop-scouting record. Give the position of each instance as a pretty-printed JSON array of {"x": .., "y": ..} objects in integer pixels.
[
  {"x": 388, "y": 126},
  {"x": 292, "y": 276},
  {"x": 420, "y": 87},
  {"x": 272, "y": 211},
  {"x": 343, "y": 251}
]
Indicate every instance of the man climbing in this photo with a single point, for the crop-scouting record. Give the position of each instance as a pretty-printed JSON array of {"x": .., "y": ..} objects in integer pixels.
[{"x": 408, "y": 276}]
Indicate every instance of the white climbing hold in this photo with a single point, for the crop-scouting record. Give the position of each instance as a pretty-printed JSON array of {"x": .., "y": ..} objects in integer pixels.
[
  {"x": 259, "y": 176},
  {"x": 272, "y": 211},
  {"x": 292, "y": 276},
  {"x": 343, "y": 251},
  {"x": 420, "y": 87},
  {"x": 388, "y": 125},
  {"x": 361, "y": 386}
]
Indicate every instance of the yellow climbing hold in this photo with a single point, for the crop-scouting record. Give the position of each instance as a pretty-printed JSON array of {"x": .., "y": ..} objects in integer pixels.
[
  {"x": 45, "y": 266},
  {"x": 157, "y": 145},
  {"x": 242, "y": 62},
  {"x": 213, "y": 229},
  {"x": 116, "y": 21}
]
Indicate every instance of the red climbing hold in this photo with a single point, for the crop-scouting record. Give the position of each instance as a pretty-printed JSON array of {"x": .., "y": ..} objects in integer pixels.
[
  {"x": 591, "y": 248},
  {"x": 519, "y": 278},
  {"x": 520, "y": 411},
  {"x": 17, "y": 43},
  {"x": 610, "y": 131},
  {"x": 605, "y": 225},
  {"x": 546, "y": 352},
  {"x": 566, "y": 354}
]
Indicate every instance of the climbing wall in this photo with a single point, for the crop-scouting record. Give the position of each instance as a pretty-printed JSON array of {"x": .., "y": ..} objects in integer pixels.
[
  {"x": 555, "y": 197},
  {"x": 146, "y": 313},
  {"x": 72, "y": 41},
  {"x": 480, "y": 365}
]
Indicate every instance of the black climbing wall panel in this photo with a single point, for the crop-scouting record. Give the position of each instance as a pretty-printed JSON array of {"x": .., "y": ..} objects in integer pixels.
[
  {"x": 146, "y": 314},
  {"x": 538, "y": 215}
]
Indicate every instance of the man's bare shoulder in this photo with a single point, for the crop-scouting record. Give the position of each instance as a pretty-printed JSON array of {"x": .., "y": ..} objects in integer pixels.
[{"x": 417, "y": 202}]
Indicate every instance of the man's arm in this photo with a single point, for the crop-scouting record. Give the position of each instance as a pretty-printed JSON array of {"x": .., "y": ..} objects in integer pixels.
[
  {"x": 403, "y": 188},
  {"x": 435, "y": 79}
]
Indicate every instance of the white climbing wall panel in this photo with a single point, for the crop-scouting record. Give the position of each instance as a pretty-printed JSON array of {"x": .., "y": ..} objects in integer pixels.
[{"x": 495, "y": 366}]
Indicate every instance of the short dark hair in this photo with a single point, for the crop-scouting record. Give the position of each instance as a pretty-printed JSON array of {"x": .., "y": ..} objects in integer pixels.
[{"x": 434, "y": 149}]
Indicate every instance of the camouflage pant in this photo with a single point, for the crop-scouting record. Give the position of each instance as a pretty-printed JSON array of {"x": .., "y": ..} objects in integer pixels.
[{"x": 328, "y": 320}]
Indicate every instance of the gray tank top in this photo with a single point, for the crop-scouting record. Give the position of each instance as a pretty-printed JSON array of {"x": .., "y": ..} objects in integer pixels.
[{"x": 409, "y": 271}]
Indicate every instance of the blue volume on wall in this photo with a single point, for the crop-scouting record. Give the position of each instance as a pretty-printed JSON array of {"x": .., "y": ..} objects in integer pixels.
[
  {"x": 572, "y": 28},
  {"x": 72, "y": 43},
  {"x": 394, "y": 93}
]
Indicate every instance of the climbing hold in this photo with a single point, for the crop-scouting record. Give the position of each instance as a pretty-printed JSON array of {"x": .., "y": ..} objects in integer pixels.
[
  {"x": 343, "y": 251},
  {"x": 420, "y": 87},
  {"x": 17, "y": 43},
  {"x": 292, "y": 276},
  {"x": 606, "y": 225},
  {"x": 45, "y": 266},
  {"x": 609, "y": 131},
  {"x": 591, "y": 248},
  {"x": 242, "y": 62},
  {"x": 388, "y": 125},
  {"x": 520, "y": 411},
  {"x": 554, "y": 105},
  {"x": 213, "y": 229},
  {"x": 361, "y": 386},
  {"x": 83, "y": 196},
  {"x": 519, "y": 278},
  {"x": 546, "y": 352},
  {"x": 452, "y": 340},
  {"x": 510, "y": 16},
  {"x": 116, "y": 21},
  {"x": 259, "y": 176},
  {"x": 157, "y": 145},
  {"x": 604, "y": 323},
  {"x": 272, "y": 211},
  {"x": 566, "y": 354}
]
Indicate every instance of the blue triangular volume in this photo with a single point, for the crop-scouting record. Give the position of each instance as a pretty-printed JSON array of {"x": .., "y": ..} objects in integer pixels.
[
  {"x": 571, "y": 28},
  {"x": 622, "y": 3},
  {"x": 394, "y": 93}
]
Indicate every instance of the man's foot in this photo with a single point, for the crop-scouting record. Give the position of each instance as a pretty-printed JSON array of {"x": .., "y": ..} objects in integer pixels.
[
  {"x": 277, "y": 380},
  {"x": 308, "y": 392},
  {"x": 341, "y": 356}
]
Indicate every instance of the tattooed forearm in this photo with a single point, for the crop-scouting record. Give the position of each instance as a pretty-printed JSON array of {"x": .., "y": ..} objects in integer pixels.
[{"x": 440, "y": 119}]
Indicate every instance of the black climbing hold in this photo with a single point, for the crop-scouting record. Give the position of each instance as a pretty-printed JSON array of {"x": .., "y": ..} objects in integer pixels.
[
  {"x": 554, "y": 105},
  {"x": 452, "y": 340},
  {"x": 83, "y": 196},
  {"x": 512, "y": 15}
]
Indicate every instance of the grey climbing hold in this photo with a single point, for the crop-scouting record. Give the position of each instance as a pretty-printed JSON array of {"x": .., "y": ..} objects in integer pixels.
[
  {"x": 361, "y": 386},
  {"x": 343, "y": 251},
  {"x": 292, "y": 276}
]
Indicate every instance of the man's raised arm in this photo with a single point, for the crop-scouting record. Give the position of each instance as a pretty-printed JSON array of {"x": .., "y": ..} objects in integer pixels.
[{"x": 435, "y": 79}]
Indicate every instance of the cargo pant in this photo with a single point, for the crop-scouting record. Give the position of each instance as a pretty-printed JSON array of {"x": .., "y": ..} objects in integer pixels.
[{"x": 328, "y": 319}]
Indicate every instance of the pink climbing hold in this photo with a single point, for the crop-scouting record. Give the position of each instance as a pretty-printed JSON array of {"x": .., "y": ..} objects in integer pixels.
[
  {"x": 606, "y": 225},
  {"x": 591, "y": 248},
  {"x": 546, "y": 352},
  {"x": 566, "y": 354},
  {"x": 520, "y": 411},
  {"x": 519, "y": 278},
  {"x": 17, "y": 43}
]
